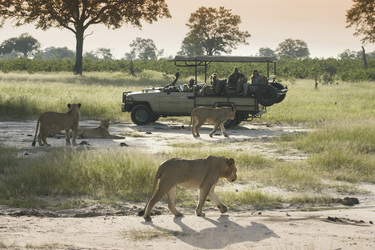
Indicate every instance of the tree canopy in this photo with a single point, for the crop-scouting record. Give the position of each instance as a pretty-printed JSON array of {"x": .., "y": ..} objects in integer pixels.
[
  {"x": 213, "y": 31},
  {"x": 143, "y": 49},
  {"x": 264, "y": 51},
  {"x": 296, "y": 49},
  {"x": 362, "y": 17},
  {"x": 78, "y": 15},
  {"x": 25, "y": 44}
]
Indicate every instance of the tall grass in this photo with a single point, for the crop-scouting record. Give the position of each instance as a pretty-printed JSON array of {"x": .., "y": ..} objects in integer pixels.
[
  {"x": 344, "y": 151},
  {"x": 99, "y": 174},
  {"x": 330, "y": 103},
  {"x": 25, "y": 96}
]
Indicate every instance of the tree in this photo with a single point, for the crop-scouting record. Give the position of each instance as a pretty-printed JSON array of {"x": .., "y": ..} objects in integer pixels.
[
  {"x": 55, "y": 53},
  {"x": 362, "y": 17},
  {"x": 266, "y": 52},
  {"x": 104, "y": 53},
  {"x": 25, "y": 44},
  {"x": 78, "y": 15},
  {"x": 214, "y": 31},
  {"x": 145, "y": 49},
  {"x": 296, "y": 49},
  {"x": 348, "y": 54},
  {"x": 191, "y": 47}
]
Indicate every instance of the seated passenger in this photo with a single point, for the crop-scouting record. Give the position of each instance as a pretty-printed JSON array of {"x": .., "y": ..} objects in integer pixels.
[
  {"x": 256, "y": 78},
  {"x": 191, "y": 83},
  {"x": 233, "y": 81},
  {"x": 185, "y": 88},
  {"x": 219, "y": 86}
]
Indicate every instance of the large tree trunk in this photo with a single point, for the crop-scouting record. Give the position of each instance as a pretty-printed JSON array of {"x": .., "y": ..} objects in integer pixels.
[
  {"x": 364, "y": 58},
  {"x": 79, "y": 51}
]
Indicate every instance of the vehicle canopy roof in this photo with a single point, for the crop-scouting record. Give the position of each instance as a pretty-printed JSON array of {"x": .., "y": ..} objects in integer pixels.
[
  {"x": 225, "y": 59},
  {"x": 197, "y": 61}
]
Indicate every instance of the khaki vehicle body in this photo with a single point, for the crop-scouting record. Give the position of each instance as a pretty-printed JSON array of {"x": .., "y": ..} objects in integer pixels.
[{"x": 148, "y": 105}]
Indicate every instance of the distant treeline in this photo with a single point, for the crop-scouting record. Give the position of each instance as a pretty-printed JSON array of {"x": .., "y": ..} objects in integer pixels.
[{"x": 325, "y": 70}]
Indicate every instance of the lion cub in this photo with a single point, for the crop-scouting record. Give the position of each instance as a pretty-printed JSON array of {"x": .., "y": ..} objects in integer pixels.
[{"x": 190, "y": 174}]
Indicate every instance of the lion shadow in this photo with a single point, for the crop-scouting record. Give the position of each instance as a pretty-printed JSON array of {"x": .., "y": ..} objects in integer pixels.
[{"x": 224, "y": 233}]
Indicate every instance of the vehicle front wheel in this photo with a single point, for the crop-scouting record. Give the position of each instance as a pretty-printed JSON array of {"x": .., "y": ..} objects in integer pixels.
[{"x": 141, "y": 115}]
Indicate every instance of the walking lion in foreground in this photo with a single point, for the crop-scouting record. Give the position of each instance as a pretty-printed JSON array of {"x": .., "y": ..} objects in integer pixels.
[
  {"x": 59, "y": 121},
  {"x": 190, "y": 174}
]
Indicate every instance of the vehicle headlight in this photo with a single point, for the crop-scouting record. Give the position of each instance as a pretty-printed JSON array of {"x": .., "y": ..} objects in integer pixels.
[{"x": 129, "y": 99}]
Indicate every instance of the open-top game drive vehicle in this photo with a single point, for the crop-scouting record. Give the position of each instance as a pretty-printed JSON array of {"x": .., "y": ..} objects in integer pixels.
[{"x": 149, "y": 104}]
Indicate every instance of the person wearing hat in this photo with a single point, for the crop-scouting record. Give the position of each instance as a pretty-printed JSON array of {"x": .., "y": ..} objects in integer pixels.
[
  {"x": 256, "y": 78},
  {"x": 191, "y": 84},
  {"x": 233, "y": 78}
]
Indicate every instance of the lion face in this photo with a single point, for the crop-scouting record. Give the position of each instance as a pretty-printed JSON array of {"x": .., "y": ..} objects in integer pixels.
[
  {"x": 232, "y": 171},
  {"x": 233, "y": 176},
  {"x": 105, "y": 124}
]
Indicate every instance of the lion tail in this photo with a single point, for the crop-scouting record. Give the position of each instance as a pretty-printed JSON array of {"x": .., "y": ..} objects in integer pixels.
[
  {"x": 191, "y": 118},
  {"x": 36, "y": 131},
  {"x": 157, "y": 177}
]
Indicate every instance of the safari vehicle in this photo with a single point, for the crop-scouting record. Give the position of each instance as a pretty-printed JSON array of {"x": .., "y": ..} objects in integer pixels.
[{"x": 148, "y": 105}]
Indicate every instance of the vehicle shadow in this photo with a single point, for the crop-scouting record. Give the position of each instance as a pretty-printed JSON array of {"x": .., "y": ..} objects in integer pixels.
[
  {"x": 244, "y": 130},
  {"x": 224, "y": 233}
]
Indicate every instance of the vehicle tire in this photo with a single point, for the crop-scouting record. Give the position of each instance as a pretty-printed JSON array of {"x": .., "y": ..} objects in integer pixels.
[
  {"x": 279, "y": 86},
  {"x": 231, "y": 123},
  {"x": 141, "y": 115},
  {"x": 155, "y": 118},
  {"x": 266, "y": 95}
]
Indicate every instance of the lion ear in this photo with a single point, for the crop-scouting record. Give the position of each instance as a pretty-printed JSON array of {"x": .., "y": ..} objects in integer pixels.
[
  {"x": 230, "y": 162},
  {"x": 69, "y": 105}
]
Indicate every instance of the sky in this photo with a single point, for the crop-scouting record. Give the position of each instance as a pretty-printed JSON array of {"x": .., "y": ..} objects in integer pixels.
[{"x": 320, "y": 23}]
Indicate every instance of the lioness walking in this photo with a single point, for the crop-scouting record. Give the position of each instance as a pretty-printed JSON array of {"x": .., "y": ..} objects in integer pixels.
[
  {"x": 190, "y": 174},
  {"x": 53, "y": 120},
  {"x": 216, "y": 116}
]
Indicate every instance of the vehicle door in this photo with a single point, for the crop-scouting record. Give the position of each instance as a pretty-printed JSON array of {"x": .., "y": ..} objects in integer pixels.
[{"x": 175, "y": 102}]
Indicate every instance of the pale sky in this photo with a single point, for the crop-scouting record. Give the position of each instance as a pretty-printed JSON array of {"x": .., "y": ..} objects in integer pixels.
[{"x": 320, "y": 23}]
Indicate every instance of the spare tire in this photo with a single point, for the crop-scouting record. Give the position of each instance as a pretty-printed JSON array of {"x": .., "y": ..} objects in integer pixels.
[
  {"x": 266, "y": 94},
  {"x": 279, "y": 86}
]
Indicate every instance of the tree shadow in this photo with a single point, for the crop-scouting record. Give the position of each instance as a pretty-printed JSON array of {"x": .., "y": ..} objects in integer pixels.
[{"x": 224, "y": 233}]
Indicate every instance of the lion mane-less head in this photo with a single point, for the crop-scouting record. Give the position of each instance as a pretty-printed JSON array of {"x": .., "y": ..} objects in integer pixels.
[{"x": 231, "y": 172}]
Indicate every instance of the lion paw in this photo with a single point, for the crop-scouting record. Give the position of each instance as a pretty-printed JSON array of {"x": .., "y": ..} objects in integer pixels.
[{"x": 223, "y": 208}]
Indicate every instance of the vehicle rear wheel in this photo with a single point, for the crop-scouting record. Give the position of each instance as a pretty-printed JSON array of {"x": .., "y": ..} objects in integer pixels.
[
  {"x": 141, "y": 115},
  {"x": 266, "y": 95},
  {"x": 231, "y": 123}
]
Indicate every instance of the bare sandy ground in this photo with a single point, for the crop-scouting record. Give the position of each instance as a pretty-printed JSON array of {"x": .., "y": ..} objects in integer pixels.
[{"x": 108, "y": 227}]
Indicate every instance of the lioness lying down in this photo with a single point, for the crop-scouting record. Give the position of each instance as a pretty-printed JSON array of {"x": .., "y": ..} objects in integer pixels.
[
  {"x": 53, "y": 120},
  {"x": 190, "y": 174},
  {"x": 99, "y": 132}
]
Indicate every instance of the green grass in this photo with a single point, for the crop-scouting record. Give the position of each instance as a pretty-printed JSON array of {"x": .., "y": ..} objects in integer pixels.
[
  {"x": 25, "y": 96},
  {"x": 329, "y": 104},
  {"x": 340, "y": 146}
]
